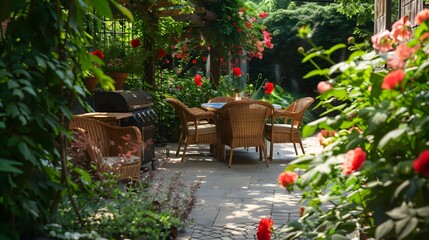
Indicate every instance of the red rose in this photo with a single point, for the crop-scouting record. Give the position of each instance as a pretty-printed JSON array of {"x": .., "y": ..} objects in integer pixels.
[
  {"x": 287, "y": 178},
  {"x": 161, "y": 53},
  {"x": 204, "y": 59},
  {"x": 269, "y": 87},
  {"x": 236, "y": 71},
  {"x": 421, "y": 164},
  {"x": 249, "y": 24},
  {"x": 194, "y": 61},
  {"x": 264, "y": 229},
  {"x": 392, "y": 79},
  {"x": 135, "y": 43},
  {"x": 323, "y": 86},
  {"x": 353, "y": 160},
  {"x": 197, "y": 79},
  {"x": 98, "y": 53},
  {"x": 263, "y": 15}
]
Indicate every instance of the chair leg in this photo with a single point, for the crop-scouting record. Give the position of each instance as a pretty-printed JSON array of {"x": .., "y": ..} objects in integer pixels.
[
  {"x": 230, "y": 157},
  {"x": 179, "y": 144},
  {"x": 271, "y": 150},
  {"x": 264, "y": 149},
  {"x": 294, "y": 146},
  {"x": 184, "y": 152},
  {"x": 260, "y": 153},
  {"x": 302, "y": 148}
]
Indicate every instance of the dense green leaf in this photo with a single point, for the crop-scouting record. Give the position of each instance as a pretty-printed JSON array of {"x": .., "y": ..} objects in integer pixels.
[
  {"x": 405, "y": 226},
  {"x": 337, "y": 236},
  {"x": 321, "y": 72},
  {"x": 391, "y": 137},
  {"x": 103, "y": 8},
  {"x": 7, "y": 165},
  {"x": 384, "y": 229}
]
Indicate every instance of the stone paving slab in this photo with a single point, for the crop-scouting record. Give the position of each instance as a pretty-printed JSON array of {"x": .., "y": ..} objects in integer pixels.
[{"x": 231, "y": 201}]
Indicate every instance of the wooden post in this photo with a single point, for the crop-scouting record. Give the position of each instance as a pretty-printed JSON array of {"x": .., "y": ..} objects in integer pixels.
[{"x": 214, "y": 66}]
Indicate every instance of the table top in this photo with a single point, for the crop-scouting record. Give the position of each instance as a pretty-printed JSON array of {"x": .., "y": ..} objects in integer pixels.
[
  {"x": 107, "y": 115},
  {"x": 219, "y": 105}
]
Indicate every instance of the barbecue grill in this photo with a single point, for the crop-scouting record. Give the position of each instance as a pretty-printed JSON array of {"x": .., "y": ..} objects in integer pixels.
[{"x": 137, "y": 102}]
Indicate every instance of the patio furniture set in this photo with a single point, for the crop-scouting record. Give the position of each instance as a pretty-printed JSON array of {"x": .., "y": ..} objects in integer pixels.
[
  {"x": 220, "y": 122},
  {"x": 246, "y": 123}
]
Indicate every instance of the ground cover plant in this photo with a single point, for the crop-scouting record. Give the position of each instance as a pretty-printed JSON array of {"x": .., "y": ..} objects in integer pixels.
[
  {"x": 372, "y": 176},
  {"x": 152, "y": 208}
]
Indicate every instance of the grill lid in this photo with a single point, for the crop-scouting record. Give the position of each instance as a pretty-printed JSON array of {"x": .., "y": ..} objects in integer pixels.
[{"x": 121, "y": 100}]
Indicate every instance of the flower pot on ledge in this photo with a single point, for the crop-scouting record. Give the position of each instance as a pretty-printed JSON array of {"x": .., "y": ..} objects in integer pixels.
[
  {"x": 119, "y": 78},
  {"x": 90, "y": 83}
]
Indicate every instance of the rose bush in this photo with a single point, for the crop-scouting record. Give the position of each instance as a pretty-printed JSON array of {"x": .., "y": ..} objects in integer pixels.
[{"x": 372, "y": 175}]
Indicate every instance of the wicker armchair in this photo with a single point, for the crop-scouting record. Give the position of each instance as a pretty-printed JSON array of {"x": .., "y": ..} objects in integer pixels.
[
  {"x": 194, "y": 128},
  {"x": 107, "y": 143},
  {"x": 287, "y": 124},
  {"x": 242, "y": 125}
]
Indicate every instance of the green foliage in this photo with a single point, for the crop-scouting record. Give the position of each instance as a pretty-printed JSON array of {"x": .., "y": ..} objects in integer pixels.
[
  {"x": 386, "y": 197},
  {"x": 151, "y": 209},
  {"x": 42, "y": 60},
  {"x": 282, "y": 64}
]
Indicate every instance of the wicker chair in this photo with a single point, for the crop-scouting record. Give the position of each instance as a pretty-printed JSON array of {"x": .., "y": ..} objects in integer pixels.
[
  {"x": 242, "y": 125},
  {"x": 194, "y": 128},
  {"x": 287, "y": 124},
  {"x": 106, "y": 142}
]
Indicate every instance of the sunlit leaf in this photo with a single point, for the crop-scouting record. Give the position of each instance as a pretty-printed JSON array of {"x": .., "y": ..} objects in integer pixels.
[
  {"x": 391, "y": 136},
  {"x": 384, "y": 229}
]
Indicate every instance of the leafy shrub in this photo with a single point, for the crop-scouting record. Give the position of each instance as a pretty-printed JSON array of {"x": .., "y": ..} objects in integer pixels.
[
  {"x": 372, "y": 175},
  {"x": 149, "y": 209}
]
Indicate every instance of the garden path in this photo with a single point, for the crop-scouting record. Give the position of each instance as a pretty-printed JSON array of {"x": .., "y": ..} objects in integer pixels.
[{"x": 231, "y": 201}]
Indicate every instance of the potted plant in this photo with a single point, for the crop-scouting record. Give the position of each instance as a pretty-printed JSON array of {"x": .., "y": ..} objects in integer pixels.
[{"x": 121, "y": 59}]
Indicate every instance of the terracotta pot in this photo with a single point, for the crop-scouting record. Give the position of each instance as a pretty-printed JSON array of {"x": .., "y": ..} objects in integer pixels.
[
  {"x": 90, "y": 83},
  {"x": 119, "y": 77}
]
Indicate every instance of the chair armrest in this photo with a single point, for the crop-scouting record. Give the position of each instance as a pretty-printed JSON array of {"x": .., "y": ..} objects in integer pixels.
[{"x": 284, "y": 113}]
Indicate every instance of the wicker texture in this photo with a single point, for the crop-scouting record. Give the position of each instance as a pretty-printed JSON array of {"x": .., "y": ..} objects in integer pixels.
[
  {"x": 242, "y": 125},
  {"x": 194, "y": 126},
  {"x": 287, "y": 124},
  {"x": 105, "y": 140}
]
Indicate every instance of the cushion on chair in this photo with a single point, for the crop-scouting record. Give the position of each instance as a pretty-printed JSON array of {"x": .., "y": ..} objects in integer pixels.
[
  {"x": 202, "y": 129},
  {"x": 279, "y": 127}
]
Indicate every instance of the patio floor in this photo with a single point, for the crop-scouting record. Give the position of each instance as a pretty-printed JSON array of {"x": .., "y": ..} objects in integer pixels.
[{"x": 231, "y": 201}]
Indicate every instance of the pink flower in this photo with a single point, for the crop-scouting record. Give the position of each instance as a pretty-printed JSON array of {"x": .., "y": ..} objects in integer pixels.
[
  {"x": 269, "y": 87},
  {"x": 236, "y": 71},
  {"x": 325, "y": 134},
  {"x": 264, "y": 229},
  {"x": 394, "y": 61},
  {"x": 392, "y": 79},
  {"x": 421, "y": 164},
  {"x": 263, "y": 15},
  {"x": 197, "y": 80},
  {"x": 401, "y": 30},
  {"x": 382, "y": 41},
  {"x": 287, "y": 178},
  {"x": 135, "y": 43},
  {"x": 422, "y": 16},
  {"x": 404, "y": 52},
  {"x": 353, "y": 160},
  {"x": 323, "y": 86}
]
